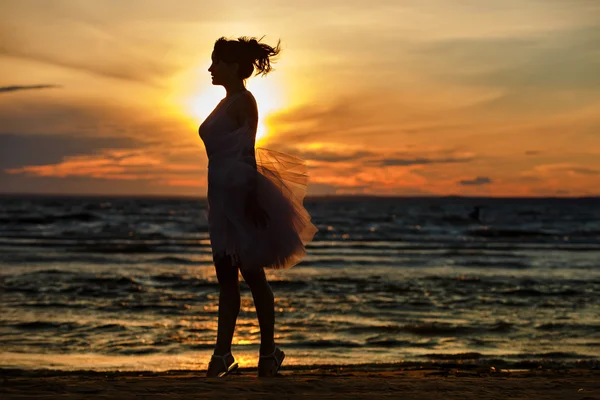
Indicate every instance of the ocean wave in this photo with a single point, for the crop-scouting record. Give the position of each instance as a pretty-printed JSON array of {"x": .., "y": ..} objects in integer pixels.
[
  {"x": 454, "y": 357},
  {"x": 384, "y": 342},
  {"x": 181, "y": 282},
  {"x": 430, "y": 329},
  {"x": 51, "y": 219},
  {"x": 142, "y": 351},
  {"x": 54, "y": 304},
  {"x": 118, "y": 248},
  {"x": 569, "y": 327},
  {"x": 487, "y": 263},
  {"x": 178, "y": 261},
  {"x": 524, "y": 233},
  {"x": 45, "y": 325},
  {"x": 82, "y": 285},
  {"x": 54, "y": 258},
  {"x": 509, "y": 233},
  {"x": 531, "y": 292},
  {"x": 552, "y": 355},
  {"x": 436, "y": 329},
  {"x": 325, "y": 344}
]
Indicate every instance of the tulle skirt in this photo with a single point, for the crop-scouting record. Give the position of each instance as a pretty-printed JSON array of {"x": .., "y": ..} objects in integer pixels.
[{"x": 281, "y": 183}]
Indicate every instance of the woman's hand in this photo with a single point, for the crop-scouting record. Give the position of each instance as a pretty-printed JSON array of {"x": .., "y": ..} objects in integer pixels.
[{"x": 256, "y": 213}]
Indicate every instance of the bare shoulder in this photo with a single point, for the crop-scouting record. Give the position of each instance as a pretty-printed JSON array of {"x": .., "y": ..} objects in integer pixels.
[{"x": 244, "y": 108}]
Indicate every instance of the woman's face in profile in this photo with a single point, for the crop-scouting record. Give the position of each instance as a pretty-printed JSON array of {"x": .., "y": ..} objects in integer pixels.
[{"x": 221, "y": 71}]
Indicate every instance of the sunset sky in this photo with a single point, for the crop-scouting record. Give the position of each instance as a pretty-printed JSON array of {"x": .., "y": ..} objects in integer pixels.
[{"x": 394, "y": 97}]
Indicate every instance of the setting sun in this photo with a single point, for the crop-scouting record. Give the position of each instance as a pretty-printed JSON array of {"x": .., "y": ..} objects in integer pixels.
[{"x": 267, "y": 91}]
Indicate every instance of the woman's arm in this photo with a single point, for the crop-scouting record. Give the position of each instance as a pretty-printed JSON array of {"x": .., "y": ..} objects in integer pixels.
[{"x": 245, "y": 113}]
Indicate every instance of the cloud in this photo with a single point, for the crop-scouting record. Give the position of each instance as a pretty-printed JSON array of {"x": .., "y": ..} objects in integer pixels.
[
  {"x": 138, "y": 71},
  {"x": 366, "y": 119},
  {"x": 404, "y": 162},
  {"x": 39, "y": 149},
  {"x": 417, "y": 156},
  {"x": 110, "y": 164},
  {"x": 570, "y": 169},
  {"x": 480, "y": 180},
  {"x": 565, "y": 58},
  {"x": 5, "y": 89},
  {"x": 27, "y": 115},
  {"x": 332, "y": 153},
  {"x": 585, "y": 171},
  {"x": 344, "y": 118},
  {"x": 318, "y": 153},
  {"x": 158, "y": 164},
  {"x": 547, "y": 179},
  {"x": 344, "y": 168},
  {"x": 321, "y": 189},
  {"x": 551, "y": 71},
  {"x": 78, "y": 38}
]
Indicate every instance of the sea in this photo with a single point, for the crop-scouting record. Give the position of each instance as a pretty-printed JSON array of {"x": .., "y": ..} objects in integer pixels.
[{"x": 115, "y": 283}]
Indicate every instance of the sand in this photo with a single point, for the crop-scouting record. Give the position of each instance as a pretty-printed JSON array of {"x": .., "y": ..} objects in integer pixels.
[{"x": 357, "y": 382}]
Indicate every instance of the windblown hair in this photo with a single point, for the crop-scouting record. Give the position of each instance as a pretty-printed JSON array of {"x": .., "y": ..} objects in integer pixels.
[{"x": 248, "y": 53}]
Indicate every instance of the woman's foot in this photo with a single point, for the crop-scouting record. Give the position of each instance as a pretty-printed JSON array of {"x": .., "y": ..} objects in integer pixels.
[
  {"x": 269, "y": 365},
  {"x": 220, "y": 366}
]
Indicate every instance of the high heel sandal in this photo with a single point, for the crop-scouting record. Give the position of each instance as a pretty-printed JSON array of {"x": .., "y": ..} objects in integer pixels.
[
  {"x": 278, "y": 356},
  {"x": 227, "y": 369}
]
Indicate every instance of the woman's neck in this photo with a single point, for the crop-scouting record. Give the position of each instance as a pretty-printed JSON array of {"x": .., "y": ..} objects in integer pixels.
[{"x": 235, "y": 88}]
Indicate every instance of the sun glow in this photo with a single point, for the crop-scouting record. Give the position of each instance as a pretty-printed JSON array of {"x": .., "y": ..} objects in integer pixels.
[{"x": 268, "y": 94}]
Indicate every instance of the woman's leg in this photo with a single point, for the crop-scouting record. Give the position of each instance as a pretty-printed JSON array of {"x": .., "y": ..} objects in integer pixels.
[
  {"x": 229, "y": 308},
  {"x": 265, "y": 307}
]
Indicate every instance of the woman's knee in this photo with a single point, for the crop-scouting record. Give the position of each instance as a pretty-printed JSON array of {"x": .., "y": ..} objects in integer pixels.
[
  {"x": 254, "y": 276},
  {"x": 227, "y": 272}
]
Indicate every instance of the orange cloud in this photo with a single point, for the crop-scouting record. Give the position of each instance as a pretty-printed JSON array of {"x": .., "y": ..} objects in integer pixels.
[
  {"x": 112, "y": 164},
  {"x": 122, "y": 164},
  {"x": 186, "y": 182}
]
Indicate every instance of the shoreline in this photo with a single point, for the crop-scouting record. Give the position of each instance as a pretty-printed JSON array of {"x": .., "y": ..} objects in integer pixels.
[
  {"x": 451, "y": 362},
  {"x": 372, "y": 381},
  {"x": 441, "y": 368},
  {"x": 145, "y": 363},
  {"x": 433, "y": 369}
]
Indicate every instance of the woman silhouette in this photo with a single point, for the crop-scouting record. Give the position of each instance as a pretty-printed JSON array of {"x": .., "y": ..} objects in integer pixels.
[{"x": 255, "y": 212}]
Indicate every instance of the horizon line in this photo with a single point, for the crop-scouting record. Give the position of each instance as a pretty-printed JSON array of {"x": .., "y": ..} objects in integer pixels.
[{"x": 308, "y": 197}]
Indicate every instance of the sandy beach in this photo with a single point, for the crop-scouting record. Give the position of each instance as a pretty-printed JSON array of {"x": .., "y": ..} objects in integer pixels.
[{"x": 354, "y": 382}]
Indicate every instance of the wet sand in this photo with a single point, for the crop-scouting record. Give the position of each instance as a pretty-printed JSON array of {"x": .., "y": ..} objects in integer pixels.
[{"x": 354, "y": 382}]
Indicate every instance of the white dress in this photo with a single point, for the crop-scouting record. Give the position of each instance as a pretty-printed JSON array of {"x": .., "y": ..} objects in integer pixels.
[{"x": 281, "y": 181}]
